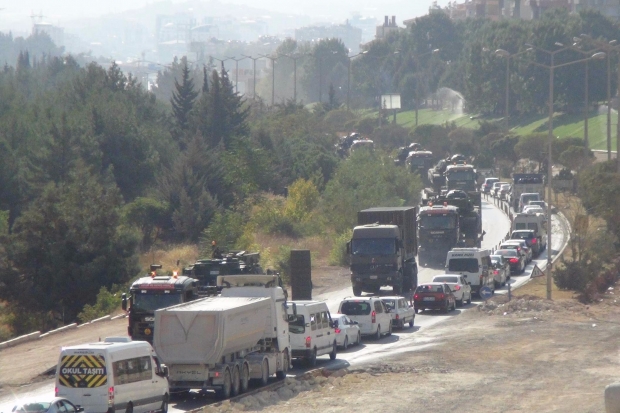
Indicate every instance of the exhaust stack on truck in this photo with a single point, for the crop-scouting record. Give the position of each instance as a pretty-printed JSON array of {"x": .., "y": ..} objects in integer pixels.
[{"x": 220, "y": 343}]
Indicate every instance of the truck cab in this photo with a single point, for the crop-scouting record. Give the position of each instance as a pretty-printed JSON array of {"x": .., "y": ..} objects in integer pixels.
[
  {"x": 438, "y": 232},
  {"x": 151, "y": 293},
  {"x": 420, "y": 162},
  {"x": 461, "y": 176}
]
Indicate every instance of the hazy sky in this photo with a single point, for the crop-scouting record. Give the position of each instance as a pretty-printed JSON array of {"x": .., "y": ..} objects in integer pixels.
[{"x": 57, "y": 11}]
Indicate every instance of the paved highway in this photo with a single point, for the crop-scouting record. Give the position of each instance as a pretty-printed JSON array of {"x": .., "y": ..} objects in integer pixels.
[{"x": 496, "y": 225}]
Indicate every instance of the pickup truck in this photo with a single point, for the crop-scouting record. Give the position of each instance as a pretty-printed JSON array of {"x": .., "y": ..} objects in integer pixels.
[{"x": 400, "y": 310}]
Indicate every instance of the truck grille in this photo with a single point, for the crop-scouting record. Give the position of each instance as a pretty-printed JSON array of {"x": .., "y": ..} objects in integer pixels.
[{"x": 372, "y": 268}]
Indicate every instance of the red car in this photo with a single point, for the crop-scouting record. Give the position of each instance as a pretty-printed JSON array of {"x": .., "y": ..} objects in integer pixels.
[{"x": 434, "y": 296}]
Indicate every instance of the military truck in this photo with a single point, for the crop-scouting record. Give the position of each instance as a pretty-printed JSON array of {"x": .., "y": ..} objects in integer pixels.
[
  {"x": 383, "y": 250},
  {"x": 206, "y": 270},
  {"x": 152, "y": 292},
  {"x": 448, "y": 221},
  {"x": 419, "y": 162}
]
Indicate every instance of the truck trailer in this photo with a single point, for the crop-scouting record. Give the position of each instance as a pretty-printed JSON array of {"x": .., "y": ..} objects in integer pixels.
[
  {"x": 383, "y": 250},
  {"x": 220, "y": 343}
]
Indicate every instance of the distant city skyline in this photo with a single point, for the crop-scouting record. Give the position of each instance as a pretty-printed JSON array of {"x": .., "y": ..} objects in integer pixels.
[{"x": 15, "y": 16}]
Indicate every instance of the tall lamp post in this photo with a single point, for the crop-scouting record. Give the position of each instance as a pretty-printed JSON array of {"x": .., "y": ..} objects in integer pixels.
[
  {"x": 254, "y": 59},
  {"x": 294, "y": 59},
  {"x": 417, "y": 104},
  {"x": 551, "y": 67},
  {"x": 236, "y": 70},
  {"x": 221, "y": 61},
  {"x": 349, "y": 77},
  {"x": 273, "y": 76},
  {"x": 507, "y": 55}
]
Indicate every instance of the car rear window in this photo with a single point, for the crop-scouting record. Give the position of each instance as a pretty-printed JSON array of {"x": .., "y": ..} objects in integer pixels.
[
  {"x": 463, "y": 264},
  {"x": 355, "y": 308},
  {"x": 522, "y": 235},
  {"x": 298, "y": 325},
  {"x": 507, "y": 253},
  {"x": 446, "y": 279},
  {"x": 429, "y": 289}
]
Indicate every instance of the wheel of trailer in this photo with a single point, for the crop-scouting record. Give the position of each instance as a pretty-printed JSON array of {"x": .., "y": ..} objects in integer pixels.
[
  {"x": 264, "y": 369},
  {"x": 244, "y": 382},
  {"x": 357, "y": 290},
  {"x": 129, "y": 408},
  {"x": 235, "y": 381},
  {"x": 164, "y": 404},
  {"x": 225, "y": 391},
  {"x": 311, "y": 361},
  {"x": 286, "y": 363},
  {"x": 346, "y": 343},
  {"x": 332, "y": 355}
]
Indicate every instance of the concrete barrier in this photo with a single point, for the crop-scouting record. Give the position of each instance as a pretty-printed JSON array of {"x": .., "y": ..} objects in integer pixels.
[
  {"x": 59, "y": 330},
  {"x": 104, "y": 318},
  {"x": 20, "y": 339},
  {"x": 612, "y": 398}
]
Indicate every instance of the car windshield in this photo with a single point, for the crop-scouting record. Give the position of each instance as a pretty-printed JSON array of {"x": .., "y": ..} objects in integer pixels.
[
  {"x": 373, "y": 246},
  {"x": 355, "y": 308},
  {"x": 151, "y": 301},
  {"x": 298, "y": 325},
  {"x": 461, "y": 175},
  {"x": 436, "y": 221},
  {"x": 463, "y": 264},
  {"x": 32, "y": 407},
  {"x": 417, "y": 160},
  {"x": 528, "y": 198},
  {"x": 429, "y": 289},
  {"x": 389, "y": 303},
  {"x": 444, "y": 279}
]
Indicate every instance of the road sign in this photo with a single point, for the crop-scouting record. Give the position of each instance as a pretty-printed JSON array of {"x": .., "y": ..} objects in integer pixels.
[
  {"x": 485, "y": 293},
  {"x": 536, "y": 272}
]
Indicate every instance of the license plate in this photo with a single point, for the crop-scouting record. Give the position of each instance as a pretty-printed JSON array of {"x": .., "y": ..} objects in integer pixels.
[
  {"x": 373, "y": 277},
  {"x": 429, "y": 299}
]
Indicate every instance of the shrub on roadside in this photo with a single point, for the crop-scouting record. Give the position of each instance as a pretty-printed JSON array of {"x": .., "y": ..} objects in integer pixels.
[
  {"x": 575, "y": 275},
  {"x": 107, "y": 302},
  {"x": 338, "y": 254}
]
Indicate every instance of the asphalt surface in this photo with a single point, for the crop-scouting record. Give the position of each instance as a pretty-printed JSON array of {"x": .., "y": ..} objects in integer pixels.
[{"x": 496, "y": 225}]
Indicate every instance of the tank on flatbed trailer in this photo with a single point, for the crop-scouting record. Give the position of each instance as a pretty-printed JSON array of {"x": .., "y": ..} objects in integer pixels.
[
  {"x": 382, "y": 250},
  {"x": 219, "y": 343}
]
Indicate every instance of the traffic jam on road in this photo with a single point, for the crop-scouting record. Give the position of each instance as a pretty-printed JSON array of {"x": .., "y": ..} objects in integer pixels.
[{"x": 222, "y": 335}]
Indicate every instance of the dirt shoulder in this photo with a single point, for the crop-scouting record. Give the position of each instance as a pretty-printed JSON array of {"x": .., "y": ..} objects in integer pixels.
[{"x": 530, "y": 355}]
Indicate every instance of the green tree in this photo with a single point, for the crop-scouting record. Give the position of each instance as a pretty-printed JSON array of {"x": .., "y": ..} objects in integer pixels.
[
  {"x": 365, "y": 180},
  {"x": 66, "y": 246},
  {"x": 533, "y": 146},
  {"x": 183, "y": 98}
]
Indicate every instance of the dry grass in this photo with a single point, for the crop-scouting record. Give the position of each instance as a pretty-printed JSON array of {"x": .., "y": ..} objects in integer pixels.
[
  {"x": 184, "y": 254},
  {"x": 537, "y": 287},
  {"x": 269, "y": 245}
]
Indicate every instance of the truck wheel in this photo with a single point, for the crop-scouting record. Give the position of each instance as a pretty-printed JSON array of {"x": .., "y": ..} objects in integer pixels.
[
  {"x": 244, "y": 383},
  {"x": 357, "y": 290},
  {"x": 285, "y": 366},
  {"x": 332, "y": 355},
  {"x": 225, "y": 390},
  {"x": 235, "y": 381},
  {"x": 264, "y": 369}
]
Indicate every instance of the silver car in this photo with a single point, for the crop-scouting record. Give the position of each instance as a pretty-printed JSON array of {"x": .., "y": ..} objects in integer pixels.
[{"x": 460, "y": 288}]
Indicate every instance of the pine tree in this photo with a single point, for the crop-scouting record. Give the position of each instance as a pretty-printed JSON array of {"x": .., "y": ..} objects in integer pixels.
[{"x": 183, "y": 98}]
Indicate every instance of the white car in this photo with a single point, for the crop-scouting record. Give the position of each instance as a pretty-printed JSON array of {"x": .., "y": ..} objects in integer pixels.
[
  {"x": 400, "y": 310},
  {"x": 533, "y": 209},
  {"x": 520, "y": 246},
  {"x": 347, "y": 331},
  {"x": 460, "y": 288},
  {"x": 541, "y": 204},
  {"x": 370, "y": 314}
]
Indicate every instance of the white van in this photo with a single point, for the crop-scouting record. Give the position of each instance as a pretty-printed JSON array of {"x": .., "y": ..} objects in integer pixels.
[
  {"x": 525, "y": 198},
  {"x": 536, "y": 222},
  {"x": 115, "y": 375},
  {"x": 472, "y": 263},
  {"x": 311, "y": 331}
]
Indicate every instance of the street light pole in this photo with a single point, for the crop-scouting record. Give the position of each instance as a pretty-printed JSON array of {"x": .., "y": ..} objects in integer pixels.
[
  {"x": 294, "y": 59},
  {"x": 551, "y": 69},
  {"x": 273, "y": 77},
  {"x": 236, "y": 71},
  {"x": 349, "y": 76},
  {"x": 254, "y": 59}
]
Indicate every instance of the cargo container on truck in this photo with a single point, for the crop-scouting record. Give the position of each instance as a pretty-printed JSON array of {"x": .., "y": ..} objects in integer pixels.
[{"x": 221, "y": 342}]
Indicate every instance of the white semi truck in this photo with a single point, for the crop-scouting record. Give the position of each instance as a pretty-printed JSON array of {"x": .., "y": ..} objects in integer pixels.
[{"x": 220, "y": 343}]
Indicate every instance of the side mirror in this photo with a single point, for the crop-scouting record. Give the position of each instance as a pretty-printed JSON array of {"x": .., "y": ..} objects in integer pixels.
[
  {"x": 79, "y": 409},
  {"x": 123, "y": 304},
  {"x": 354, "y": 323},
  {"x": 162, "y": 371}
]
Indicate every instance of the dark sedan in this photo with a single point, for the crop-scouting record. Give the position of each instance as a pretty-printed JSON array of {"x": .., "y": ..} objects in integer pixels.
[
  {"x": 434, "y": 296},
  {"x": 516, "y": 260},
  {"x": 529, "y": 236}
]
